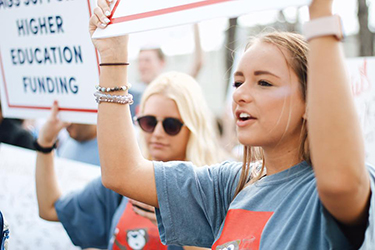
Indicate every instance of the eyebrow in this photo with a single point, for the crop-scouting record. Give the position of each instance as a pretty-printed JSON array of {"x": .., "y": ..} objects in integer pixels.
[
  {"x": 238, "y": 73},
  {"x": 263, "y": 72},
  {"x": 257, "y": 73}
]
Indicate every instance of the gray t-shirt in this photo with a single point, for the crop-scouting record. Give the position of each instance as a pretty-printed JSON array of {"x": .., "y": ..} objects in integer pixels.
[{"x": 280, "y": 211}]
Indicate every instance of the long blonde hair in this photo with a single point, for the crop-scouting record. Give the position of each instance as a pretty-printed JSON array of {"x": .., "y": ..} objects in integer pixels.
[
  {"x": 202, "y": 148},
  {"x": 297, "y": 49}
]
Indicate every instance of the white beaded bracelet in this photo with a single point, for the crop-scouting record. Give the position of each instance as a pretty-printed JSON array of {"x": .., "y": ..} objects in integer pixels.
[{"x": 121, "y": 99}]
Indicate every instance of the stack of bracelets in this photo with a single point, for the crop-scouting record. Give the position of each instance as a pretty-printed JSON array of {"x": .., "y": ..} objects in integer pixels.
[{"x": 101, "y": 96}]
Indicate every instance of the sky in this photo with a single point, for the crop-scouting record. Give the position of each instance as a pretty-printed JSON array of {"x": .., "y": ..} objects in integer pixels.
[{"x": 180, "y": 40}]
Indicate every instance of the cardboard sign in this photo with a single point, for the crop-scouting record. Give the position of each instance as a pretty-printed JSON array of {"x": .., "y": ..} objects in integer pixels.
[
  {"x": 362, "y": 76},
  {"x": 129, "y": 16},
  {"x": 46, "y": 54}
]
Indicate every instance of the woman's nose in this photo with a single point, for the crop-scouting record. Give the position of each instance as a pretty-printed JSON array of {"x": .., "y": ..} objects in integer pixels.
[
  {"x": 242, "y": 94},
  {"x": 159, "y": 130}
]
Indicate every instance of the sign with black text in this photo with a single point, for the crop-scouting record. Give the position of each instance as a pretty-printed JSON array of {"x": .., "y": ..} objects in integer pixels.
[{"x": 46, "y": 54}]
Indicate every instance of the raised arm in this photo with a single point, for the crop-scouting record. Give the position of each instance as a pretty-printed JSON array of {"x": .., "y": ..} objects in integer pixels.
[
  {"x": 47, "y": 188},
  {"x": 198, "y": 53},
  {"x": 124, "y": 169},
  {"x": 336, "y": 140}
]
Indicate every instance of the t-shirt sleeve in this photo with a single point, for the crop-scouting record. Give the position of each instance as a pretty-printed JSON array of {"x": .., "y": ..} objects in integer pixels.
[
  {"x": 193, "y": 201},
  {"x": 369, "y": 241},
  {"x": 87, "y": 214}
]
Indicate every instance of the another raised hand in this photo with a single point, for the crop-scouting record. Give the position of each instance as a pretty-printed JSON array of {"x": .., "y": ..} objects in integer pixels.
[{"x": 47, "y": 188}]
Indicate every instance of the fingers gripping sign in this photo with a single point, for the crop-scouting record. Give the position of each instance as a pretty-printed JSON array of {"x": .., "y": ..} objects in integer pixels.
[
  {"x": 106, "y": 7},
  {"x": 102, "y": 20},
  {"x": 111, "y": 49}
]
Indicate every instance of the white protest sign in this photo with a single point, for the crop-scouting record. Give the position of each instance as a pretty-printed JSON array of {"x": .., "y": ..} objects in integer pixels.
[
  {"x": 46, "y": 54},
  {"x": 129, "y": 16},
  {"x": 18, "y": 201},
  {"x": 362, "y": 73}
]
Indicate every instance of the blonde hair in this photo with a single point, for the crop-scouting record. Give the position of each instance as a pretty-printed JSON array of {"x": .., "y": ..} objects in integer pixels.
[
  {"x": 296, "y": 59},
  {"x": 202, "y": 148}
]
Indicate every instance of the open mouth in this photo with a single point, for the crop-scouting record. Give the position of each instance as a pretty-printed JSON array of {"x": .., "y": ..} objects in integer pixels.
[{"x": 244, "y": 117}]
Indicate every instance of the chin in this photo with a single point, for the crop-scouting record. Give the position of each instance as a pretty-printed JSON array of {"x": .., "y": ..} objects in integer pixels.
[{"x": 247, "y": 141}]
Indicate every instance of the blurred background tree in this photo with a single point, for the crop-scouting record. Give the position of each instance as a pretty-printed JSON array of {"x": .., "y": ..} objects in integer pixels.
[{"x": 365, "y": 35}]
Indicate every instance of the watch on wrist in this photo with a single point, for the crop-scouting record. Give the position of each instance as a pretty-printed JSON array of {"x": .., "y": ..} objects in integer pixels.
[
  {"x": 324, "y": 26},
  {"x": 43, "y": 149}
]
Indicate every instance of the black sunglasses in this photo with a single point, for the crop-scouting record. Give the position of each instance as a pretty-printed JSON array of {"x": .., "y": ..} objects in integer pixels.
[{"x": 172, "y": 126}]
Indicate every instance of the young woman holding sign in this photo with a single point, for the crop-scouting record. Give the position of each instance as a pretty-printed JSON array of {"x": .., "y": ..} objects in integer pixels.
[
  {"x": 173, "y": 118},
  {"x": 310, "y": 188}
]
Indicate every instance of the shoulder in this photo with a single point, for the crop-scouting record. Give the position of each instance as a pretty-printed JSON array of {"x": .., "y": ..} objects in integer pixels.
[{"x": 231, "y": 168}]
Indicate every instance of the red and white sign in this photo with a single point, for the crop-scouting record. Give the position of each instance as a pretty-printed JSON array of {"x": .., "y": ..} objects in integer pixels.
[
  {"x": 46, "y": 54},
  {"x": 129, "y": 16}
]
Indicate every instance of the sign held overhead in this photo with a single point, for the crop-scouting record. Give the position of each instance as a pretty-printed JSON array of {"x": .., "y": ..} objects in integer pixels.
[
  {"x": 129, "y": 16},
  {"x": 47, "y": 55}
]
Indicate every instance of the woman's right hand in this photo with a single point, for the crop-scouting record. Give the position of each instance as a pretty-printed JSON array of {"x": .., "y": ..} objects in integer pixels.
[
  {"x": 112, "y": 49},
  {"x": 51, "y": 128}
]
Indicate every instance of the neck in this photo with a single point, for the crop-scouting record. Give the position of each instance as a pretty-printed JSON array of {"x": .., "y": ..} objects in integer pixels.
[{"x": 281, "y": 157}]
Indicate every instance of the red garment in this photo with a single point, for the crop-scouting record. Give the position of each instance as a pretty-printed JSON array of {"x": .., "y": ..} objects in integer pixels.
[
  {"x": 134, "y": 232},
  {"x": 242, "y": 230}
]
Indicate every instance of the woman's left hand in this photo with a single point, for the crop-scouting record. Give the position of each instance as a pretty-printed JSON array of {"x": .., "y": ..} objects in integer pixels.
[{"x": 144, "y": 210}]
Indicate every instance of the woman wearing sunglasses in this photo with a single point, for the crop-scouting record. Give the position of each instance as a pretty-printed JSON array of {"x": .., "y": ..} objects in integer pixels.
[
  {"x": 310, "y": 189},
  {"x": 176, "y": 125},
  {"x": 176, "y": 121}
]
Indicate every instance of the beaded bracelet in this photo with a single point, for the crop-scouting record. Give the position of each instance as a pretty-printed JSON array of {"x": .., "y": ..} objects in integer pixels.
[
  {"x": 117, "y": 88},
  {"x": 121, "y": 99}
]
